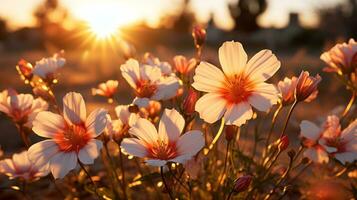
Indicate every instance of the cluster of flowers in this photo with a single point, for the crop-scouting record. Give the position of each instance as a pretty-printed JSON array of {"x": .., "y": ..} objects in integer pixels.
[{"x": 233, "y": 94}]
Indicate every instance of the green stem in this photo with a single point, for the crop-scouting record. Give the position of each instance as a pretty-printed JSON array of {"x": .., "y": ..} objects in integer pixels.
[
  {"x": 349, "y": 105},
  {"x": 219, "y": 133},
  {"x": 122, "y": 174},
  {"x": 23, "y": 135},
  {"x": 288, "y": 117},
  {"x": 221, "y": 178},
  {"x": 165, "y": 184},
  {"x": 90, "y": 178},
  {"x": 273, "y": 121}
]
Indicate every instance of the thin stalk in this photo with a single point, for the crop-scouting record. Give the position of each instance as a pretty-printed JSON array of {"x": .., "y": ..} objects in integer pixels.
[
  {"x": 288, "y": 117},
  {"x": 230, "y": 194},
  {"x": 90, "y": 178},
  {"x": 225, "y": 165},
  {"x": 113, "y": 168},
  {"x": 178, "y": 180},
  {"x": 23, "y": 135},
  {"x": 301, "y": 171},
  {"x": 273, "y": 121},
  {"x": 165, "y": 184},
  {"x": 219, "y": 133},
  {"x": 122, "y": 173},
  {"x": 349, "y": 105}
]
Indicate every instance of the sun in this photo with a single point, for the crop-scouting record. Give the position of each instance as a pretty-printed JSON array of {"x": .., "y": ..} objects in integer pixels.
[{"x": 102, "y": 29}]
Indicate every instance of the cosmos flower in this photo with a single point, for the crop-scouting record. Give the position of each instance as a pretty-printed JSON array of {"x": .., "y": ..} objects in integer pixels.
[
  {"x": 165, "y": 145},
  {"x": 342, "y": 58},
  {"x": 125, "y": 119},
  {"x": 241, "y": 85},
  {"x": 148, "y": 82},
  {"x": 329, "y": 140},
  {"x": 106, "y": 89},
  {"x": 340, "y": 144},
  {"x": 46, "y": 68},
  {"x": 165, "y": 67},
  {"x": 71, "y": 137},
  {"x": 19, "y": 166},
  {"x": 184, "y": 66},
  {"x": 21, "y": 108},
  {"x": 287, "y": 89},
  {"x": 306, "y": 86}
]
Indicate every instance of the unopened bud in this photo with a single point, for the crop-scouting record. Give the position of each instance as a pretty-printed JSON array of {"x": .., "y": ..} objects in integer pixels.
[
  {"x": 305, "y": 160},
  {"x": 242, "y": 183},
  {"x": 25, "y": 69},
  {"x": 190, "y": 102},
  {"x": 283, "y": 143},
  {"x": 199, "y": 36},
  {"x": 230, "y": 132},
  {"x": 292, "y": 153}
]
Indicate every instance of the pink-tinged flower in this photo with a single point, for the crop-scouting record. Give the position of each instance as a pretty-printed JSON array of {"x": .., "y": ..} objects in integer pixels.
[
  {"x": 47, "y": 68},
  {"x": 71, "y": 137},
  {"x": 106, "y": 89},
  {"x": 151, "y": 111},
  {"x": 184, "y": 66},
  {"x": 313, "y": 135},
  {"x": 25, "y": 69},
  {"x": 148, "y": 82},
  {"x": 287, "y": 89},
  {"x": 21, "y": 108},
  {"x": 165, "y": 67},
  {"x": 165, "y": 145},
  {"x": 306, "y": 86},
  {"x": 21, "y": 167},
  {"x": 342, "y": 58},
  {"x": 340, "y": 144},
  {"x": 117, "y": 129},
  {"x": 241, "y": 85}
]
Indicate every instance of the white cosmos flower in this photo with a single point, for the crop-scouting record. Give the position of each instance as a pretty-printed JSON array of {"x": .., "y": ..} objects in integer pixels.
[
  {"x": 241, "y": 85},
  {"x": 47, "y": 67},
  {"x": 19, "y": 166},
  {"x": 71, "y": 136},
  {"x": 21, "y": 108},
  {"x": 165, "y": 67},
  {"x": 148, "y": 82},
  {"x": 165, "y": 145}
]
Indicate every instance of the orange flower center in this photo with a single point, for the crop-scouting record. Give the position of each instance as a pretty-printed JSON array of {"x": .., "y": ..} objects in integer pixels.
[
  {"x": 162, "y": 151},
  {"x": 237, "y": 89},
  {"x": 145, "y": 89},
  {"x": 72, "y": 139}
]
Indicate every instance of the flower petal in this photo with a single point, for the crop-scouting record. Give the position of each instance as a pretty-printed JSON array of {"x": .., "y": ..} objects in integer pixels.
[
  {"x": 208, "y": 78},
  {"x": 171, "y": 125},
  {"x": 41, "y": 152},
  {"x": 62, "y": 163},
  {"x": 156, "y": 163},
  {"x": 310, "y": 130},
  {"x": 145, "y": 131},
  {"x": 134, "y": 147},
  {"x": 190, "y": 143},
  {"x": 74, "y": 108},
  {"x": 238, "y": 114},
  {"x": 264, "y": 97},
  {"x": 167, "y": 88},
  {"x": 47, "y": 124},
  {"x": 232, "y": 57},
  {"x": 211, "y": 107},
  {"x": 90, "y": 152},
  {"x": 96, "y": 122},
  {"x": 263, "y": 65},
  {"x": 346, "y": 157},
  {"x": 131, "y": 72}
]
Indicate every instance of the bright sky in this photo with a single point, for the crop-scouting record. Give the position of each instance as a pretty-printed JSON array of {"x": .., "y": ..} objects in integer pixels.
[{"x": 19, "y": 12}]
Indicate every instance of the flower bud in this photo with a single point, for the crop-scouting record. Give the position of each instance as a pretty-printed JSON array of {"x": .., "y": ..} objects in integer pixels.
[
  {"x": 283, "y": 143},
  {"x": 25, "y": 69},
  {"x": 305, "y": 160},
  {"x": 242, "y": 183},
  {"x": 199, "y": 36},
  {"x": 190, "y": 101},
  {"x": 184, "y": 66},
  {"x": 230, "y": 132},
  {"x": 306, "y": 85}
]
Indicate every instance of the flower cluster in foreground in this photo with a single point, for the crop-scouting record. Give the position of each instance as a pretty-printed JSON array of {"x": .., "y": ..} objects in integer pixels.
[{"x": 170, "y": 125}]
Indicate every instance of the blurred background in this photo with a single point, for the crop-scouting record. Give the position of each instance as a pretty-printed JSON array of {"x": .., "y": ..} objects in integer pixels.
[{"x": 95, "y": 35}]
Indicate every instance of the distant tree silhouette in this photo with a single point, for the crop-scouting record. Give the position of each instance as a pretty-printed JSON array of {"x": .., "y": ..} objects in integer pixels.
[
  {"x": 3, "y": 29},
  {"x": 246, "y": 12}
]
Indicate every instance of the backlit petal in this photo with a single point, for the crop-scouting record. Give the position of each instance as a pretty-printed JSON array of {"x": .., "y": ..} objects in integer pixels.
[
  {"x": 74, "y": 108},
  {"x": 211, "y": 107},
  {"x": 232, "y": 57}
]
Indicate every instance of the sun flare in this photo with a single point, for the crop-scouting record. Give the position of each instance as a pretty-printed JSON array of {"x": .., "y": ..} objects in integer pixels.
[{"x": 102, "y": 29}]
